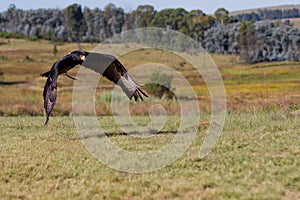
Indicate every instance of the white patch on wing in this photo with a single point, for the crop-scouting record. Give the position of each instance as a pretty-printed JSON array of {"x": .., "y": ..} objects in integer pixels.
[{"x": 127, "y": 84}]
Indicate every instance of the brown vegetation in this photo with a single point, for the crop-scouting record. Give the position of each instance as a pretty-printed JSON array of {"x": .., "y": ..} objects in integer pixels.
[{"x": 248, "y": 87}]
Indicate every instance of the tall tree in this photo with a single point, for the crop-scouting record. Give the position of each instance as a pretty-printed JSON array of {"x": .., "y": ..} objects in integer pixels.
[
  {"x": 197, "y": 23},
  {"x": 100, "y": 24},
  {"x": 143, "y": 15},
  {"x": 89, "y": 21},
  {"x": 162, "y": 18},
  {"x": 75, "y": 22},
  {"x": 11, "y": 8},
  {"x": 247, "y": 41},
  {"x": 178, "y": 19},
  {"x": 222, "y": 15},
  {"x": 170, "y": 18},
  {"x": 115, "y": 19}
]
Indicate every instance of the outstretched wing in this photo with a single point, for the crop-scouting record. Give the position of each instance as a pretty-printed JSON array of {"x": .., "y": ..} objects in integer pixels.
[{"x": 110, "y": 67}]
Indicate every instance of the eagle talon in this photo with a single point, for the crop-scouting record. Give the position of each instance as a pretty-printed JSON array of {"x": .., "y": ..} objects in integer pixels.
[{"x": 71, "y": 77}]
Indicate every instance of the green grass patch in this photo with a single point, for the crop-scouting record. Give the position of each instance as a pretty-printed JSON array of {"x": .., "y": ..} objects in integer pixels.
[{"x": 257, "y": 157}]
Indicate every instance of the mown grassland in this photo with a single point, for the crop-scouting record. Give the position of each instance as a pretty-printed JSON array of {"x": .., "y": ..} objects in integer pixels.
[{"x": 256, "y": 157}]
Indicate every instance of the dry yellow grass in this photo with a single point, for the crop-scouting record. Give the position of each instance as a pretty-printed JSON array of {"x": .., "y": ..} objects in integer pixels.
[
  {"x": 295, "y": 22},
  {"x": 247, "y": 86}
]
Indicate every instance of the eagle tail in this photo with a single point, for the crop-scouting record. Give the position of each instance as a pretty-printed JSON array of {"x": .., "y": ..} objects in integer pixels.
[
  {"x": 50, "y": 93},
  {"x": 46, "y": 74}
]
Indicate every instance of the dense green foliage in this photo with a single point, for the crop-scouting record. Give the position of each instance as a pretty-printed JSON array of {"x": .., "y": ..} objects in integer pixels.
[{"x": 144, "y": 15}]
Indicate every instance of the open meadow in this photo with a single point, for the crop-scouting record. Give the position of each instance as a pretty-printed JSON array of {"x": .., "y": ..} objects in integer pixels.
[{"x": 256, "y": 157}]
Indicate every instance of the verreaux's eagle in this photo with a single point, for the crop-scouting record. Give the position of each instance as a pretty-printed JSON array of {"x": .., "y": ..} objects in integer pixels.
[{"x": 107, "y": 65}]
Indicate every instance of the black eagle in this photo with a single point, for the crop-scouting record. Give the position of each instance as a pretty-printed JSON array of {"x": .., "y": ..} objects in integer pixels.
[{"x": 107, "y": 65}]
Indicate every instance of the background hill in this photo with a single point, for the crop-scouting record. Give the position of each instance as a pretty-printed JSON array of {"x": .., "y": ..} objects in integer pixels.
[{"x": 281, "y": 7}]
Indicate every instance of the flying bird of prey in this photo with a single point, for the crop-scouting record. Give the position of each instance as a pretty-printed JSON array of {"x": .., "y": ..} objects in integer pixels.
[{"x": 107, "y": 65}]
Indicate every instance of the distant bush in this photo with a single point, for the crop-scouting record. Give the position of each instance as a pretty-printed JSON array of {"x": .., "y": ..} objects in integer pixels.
[
  {"x": 1, "y": 75},
  {"x": 5, "y": 35},
  {"x": 160, "y": 85},
  {"x": 112, "y": 95},
  {"x": 33, "y": 38},
  {"x": 54, "y": 50},
  {"x": 12, "y": 35}
]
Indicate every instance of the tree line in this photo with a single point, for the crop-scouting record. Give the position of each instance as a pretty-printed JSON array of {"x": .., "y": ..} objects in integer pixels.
[
  {"x": 261, "y": 41},
  {"x": 254, "y": 40},
  {"x": 269, "y": 14}
]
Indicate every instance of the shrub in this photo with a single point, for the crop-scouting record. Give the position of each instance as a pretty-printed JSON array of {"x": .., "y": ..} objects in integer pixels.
[
  {"x": 1, "y": 75},
  {"x": 160, "y": 85}
]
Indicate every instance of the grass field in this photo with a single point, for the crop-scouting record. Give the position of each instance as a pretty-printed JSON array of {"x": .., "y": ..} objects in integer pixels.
[{"x": 257, "y": 156}]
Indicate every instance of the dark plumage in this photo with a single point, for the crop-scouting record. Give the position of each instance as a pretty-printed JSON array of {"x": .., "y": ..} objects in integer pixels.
[{"x": 107, "y": 65}]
